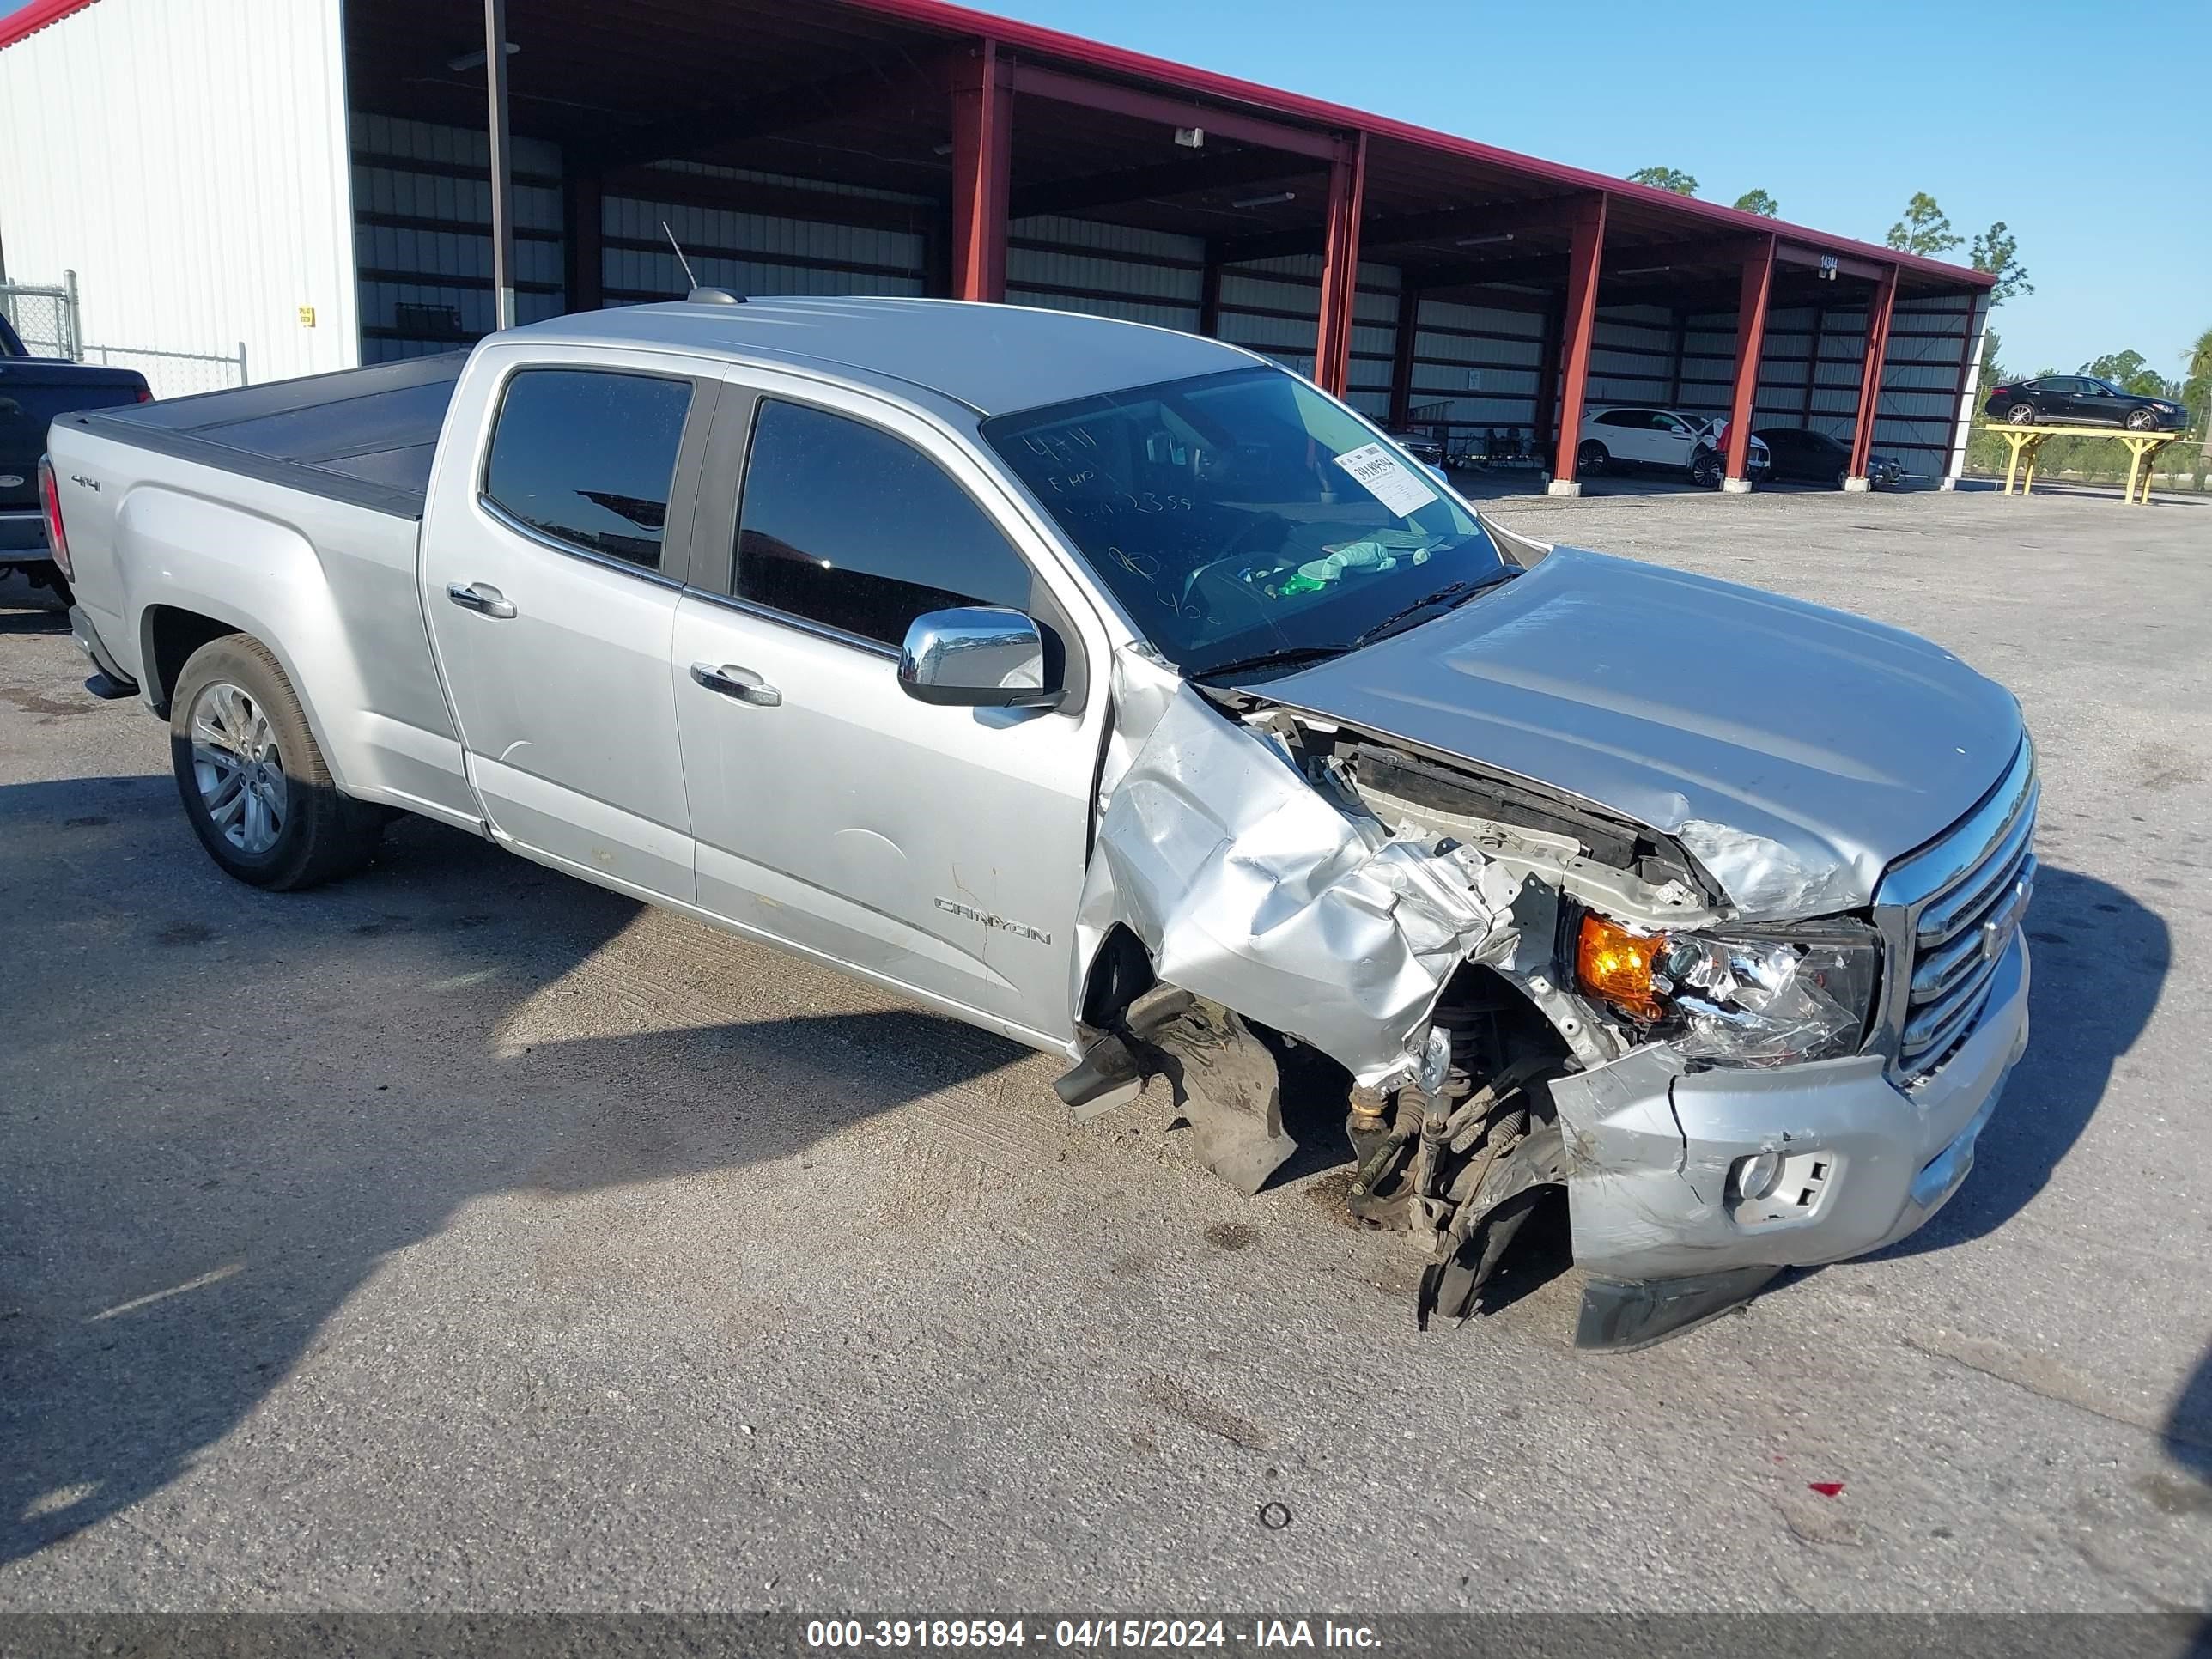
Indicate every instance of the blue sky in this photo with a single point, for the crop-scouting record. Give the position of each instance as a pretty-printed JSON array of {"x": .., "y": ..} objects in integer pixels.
[{"x": 1841, "y": 112}]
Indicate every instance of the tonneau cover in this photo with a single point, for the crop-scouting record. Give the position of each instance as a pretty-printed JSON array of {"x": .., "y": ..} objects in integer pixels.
[{"x": 363, "y": 435}]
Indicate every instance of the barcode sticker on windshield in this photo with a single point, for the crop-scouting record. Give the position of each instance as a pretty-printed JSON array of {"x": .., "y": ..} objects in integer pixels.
[{"x": 1387, "y": 479}]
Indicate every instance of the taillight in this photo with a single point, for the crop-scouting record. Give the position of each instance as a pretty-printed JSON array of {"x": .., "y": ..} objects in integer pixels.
[
  {"x": 50, "y": 499},
  {"x": 145, "y": 394}
]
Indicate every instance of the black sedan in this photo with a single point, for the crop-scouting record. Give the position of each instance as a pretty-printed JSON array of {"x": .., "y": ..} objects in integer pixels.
[
  {"x": 1815, "y": 457},
  {"x": 2081, "y": 401}
]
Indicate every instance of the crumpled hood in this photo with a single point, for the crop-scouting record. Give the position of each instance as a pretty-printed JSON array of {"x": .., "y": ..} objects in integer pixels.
[{"x": 1795, "y": 751}]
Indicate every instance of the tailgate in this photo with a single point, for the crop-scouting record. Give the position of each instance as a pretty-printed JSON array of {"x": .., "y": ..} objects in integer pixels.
[{"x": 32, "y": 393}]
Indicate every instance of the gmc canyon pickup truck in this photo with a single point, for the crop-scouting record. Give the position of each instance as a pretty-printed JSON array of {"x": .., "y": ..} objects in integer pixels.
[{"x": 1118, "y": 690}]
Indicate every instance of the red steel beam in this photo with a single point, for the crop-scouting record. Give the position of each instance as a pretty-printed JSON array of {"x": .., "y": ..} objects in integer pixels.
[
  {"x": 1401, "y": 360},
  {"x": 1750, "y": 340},
  {"x": 1037, "y": 81},
  {"x": 1879, "y": 307},
  {"x": 1340, "y": 274},
  {"x": 982, "y": 152},
  {"x": 1579, "y": 324}
]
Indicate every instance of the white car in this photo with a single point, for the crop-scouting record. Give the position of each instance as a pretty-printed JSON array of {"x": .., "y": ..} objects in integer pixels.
[{"x": 1631, "y": 436}]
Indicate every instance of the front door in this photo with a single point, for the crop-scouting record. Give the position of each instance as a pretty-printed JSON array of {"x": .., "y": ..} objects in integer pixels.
[
  {"x": 1671, "y": 440},
  {"x": 551, "y": 597},
  {"x": 939, "y": 848}
]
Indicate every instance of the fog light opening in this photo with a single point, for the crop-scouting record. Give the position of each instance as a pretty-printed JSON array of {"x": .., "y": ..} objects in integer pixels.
[{"x": 1753, "y": 1177}]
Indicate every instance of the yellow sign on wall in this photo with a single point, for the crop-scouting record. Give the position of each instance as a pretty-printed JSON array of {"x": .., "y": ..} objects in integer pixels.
[{"x": 306, "y": 316}]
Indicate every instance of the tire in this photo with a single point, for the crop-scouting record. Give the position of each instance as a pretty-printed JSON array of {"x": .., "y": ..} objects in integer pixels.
[
  {"x": 2141, "y": 420},
  {"x": 253, "y": 782},
  {"x": 2022, "y": 415},
  {"x": 1706, "y": 470},
  {"x": 1592, "y": 457}
]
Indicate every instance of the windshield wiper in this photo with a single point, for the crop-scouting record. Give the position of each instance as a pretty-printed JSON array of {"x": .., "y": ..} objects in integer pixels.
[
  {"x": 1452, "y": 594},
  {"x": 1282, "y": 657}
]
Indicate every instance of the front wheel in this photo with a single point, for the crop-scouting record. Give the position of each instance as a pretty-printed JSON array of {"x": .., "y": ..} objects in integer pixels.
[
  {"x": 2141, "y": 420},
  {"x": 2022, "y": 413},
  {"x": 1592, "y": 457},
  {"x": 1705, "y": 470},
  {"x": 254, "y": 784}
]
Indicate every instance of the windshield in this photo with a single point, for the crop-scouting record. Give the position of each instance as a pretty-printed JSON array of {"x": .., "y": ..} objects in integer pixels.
[{"x": 1242, "y": 515}]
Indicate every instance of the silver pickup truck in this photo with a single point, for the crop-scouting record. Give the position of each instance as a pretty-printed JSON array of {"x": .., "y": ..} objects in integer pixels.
[{"x": 1119, "y": 691}]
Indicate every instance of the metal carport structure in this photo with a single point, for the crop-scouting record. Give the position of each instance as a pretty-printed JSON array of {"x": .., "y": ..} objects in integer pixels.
[{"x": 911, "y": 146}]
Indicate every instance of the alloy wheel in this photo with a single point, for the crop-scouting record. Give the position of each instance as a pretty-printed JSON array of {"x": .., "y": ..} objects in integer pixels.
[{"x": 237, "y": 769}]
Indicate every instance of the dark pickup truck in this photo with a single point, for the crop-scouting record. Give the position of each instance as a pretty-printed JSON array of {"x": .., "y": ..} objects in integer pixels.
[{"x": 33, "y": 390}]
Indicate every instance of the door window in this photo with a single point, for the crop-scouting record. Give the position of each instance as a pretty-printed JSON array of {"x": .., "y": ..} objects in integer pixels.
[
  {"x": 1621, "y": 417},
  {"x": 844, "y": 524},
  {"x": 588, "y": 456}
]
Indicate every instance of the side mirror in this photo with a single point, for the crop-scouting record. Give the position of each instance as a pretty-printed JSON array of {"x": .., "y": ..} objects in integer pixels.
[
  {"x": 1442, "y": 477},
  {"x": 975, "y": 657}
]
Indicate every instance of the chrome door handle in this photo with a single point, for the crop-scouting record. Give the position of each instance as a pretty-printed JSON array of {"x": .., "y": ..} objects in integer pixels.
[
  {"x": 740, "y": 682},
  {"x": 481, "y": 597}
]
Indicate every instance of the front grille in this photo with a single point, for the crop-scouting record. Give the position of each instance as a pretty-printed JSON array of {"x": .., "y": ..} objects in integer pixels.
[{"x": 1949, "y": 913}]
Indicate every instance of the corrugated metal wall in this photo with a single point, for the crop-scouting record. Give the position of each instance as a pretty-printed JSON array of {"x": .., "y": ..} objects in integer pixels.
[
  {"x": 820, "y": 241},
  {"x": 421, "y": 200},
  {"x": 1273, "y": 306},
  {"x": 1809, "y": 369},
  {"x": 1928, "y": 341},
  {"x": 1479, "y": 366},
  {"x": 1631, "y": 356},
  {"x": 195, "y": 220},
  {"x": 1107, "y": 270}
]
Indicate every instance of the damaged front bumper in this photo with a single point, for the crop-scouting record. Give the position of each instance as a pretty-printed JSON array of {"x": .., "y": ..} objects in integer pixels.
[{"x": 1846, "y": 1163}]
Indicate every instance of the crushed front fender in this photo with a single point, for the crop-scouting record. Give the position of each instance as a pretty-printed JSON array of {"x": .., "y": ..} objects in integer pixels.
[{"x": 1251, "y": 887}]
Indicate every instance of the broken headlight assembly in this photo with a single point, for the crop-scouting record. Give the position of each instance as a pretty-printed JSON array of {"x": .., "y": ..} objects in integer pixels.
[{"x": 1737, "y": 996}]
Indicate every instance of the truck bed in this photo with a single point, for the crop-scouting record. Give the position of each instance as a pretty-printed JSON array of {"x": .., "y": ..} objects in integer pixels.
[{"x": 364, "y": 437}]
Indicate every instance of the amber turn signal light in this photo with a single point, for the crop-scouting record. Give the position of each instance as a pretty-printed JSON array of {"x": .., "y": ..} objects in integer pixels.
[{"x": 1611, "y": 962}]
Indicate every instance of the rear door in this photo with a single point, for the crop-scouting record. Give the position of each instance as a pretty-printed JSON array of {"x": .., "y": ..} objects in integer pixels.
[
  {"x": 551, "y": 596},
  {"x": 940, "y": 849},
  {"x": 1626, "y": 433},
  {"x": 2064, "y": 398}
]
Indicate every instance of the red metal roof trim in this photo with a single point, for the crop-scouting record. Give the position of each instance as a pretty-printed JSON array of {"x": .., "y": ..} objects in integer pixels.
[
  {"x": 35, "y": 16},
  {"x": 1118, "y": 60}
]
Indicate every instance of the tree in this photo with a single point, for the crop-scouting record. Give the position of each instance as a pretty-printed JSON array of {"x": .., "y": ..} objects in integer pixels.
[
  {"x": 1924, "y": 229},
  {"x": 1997, "y": 251},
  {"x": 2130, "y": 372},
  {"x": 1665, "y": 179},
  {"x": 2197, "y": 393},
  {"x": 1759, "y": 202}
]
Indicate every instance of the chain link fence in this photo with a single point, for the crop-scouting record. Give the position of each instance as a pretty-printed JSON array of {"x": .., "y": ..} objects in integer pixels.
[{"x": 48, "y": 321}]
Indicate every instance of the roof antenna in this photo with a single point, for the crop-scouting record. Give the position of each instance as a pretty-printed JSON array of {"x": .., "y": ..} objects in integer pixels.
[
  {"x": 698, "y": 295},
  {"x": 689, "y": 281}
]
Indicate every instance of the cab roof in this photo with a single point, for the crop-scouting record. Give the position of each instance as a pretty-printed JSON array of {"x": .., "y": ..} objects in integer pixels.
[{"x": 993, "y": 358}]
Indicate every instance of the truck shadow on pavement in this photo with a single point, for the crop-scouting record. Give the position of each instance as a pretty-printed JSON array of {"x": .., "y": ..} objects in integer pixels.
[
  {"x": 226, "y": 1109},
  {"x": 2083, "y": 931}
]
